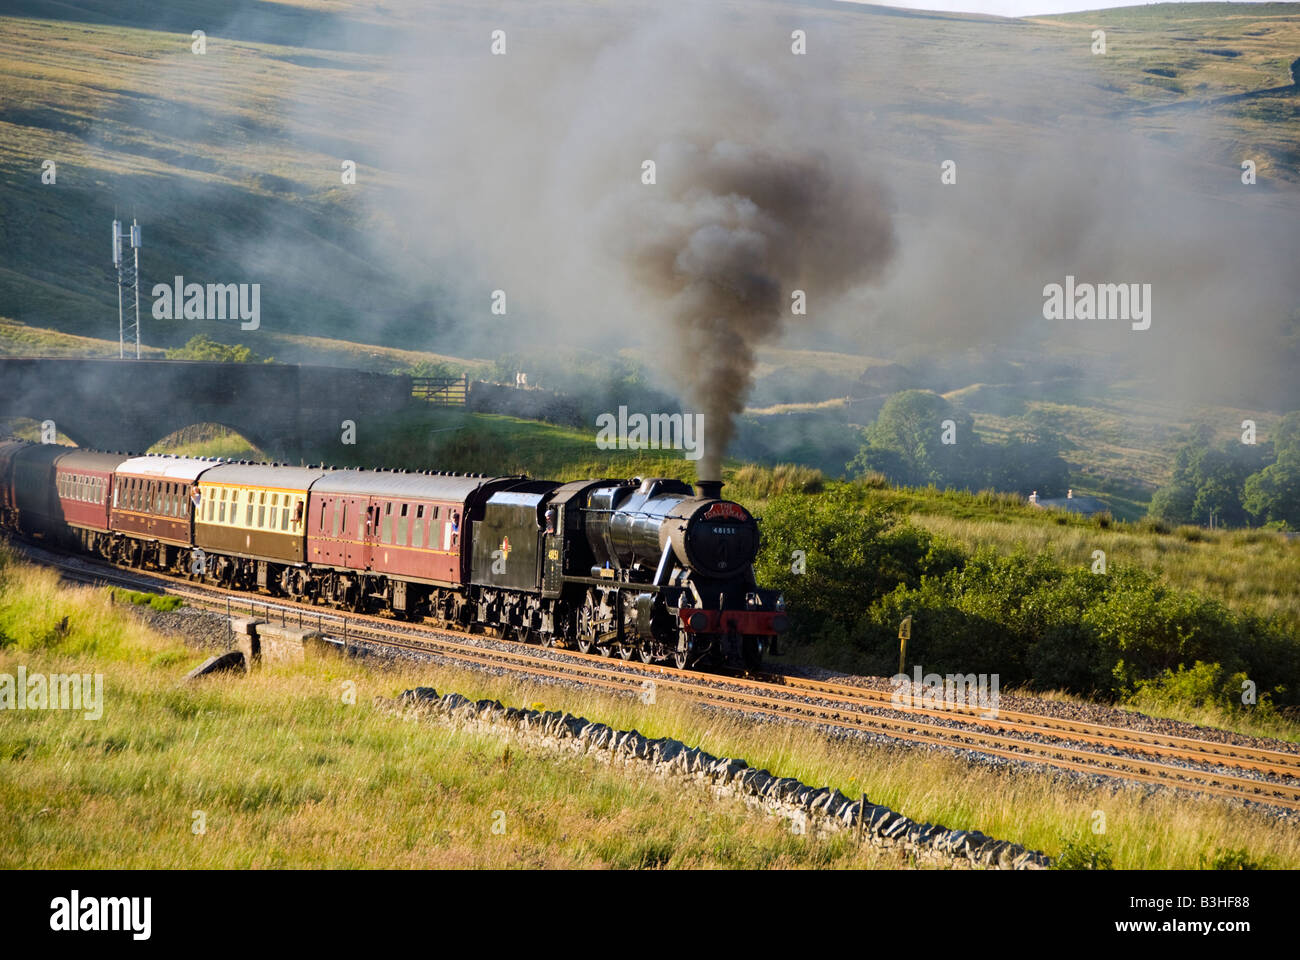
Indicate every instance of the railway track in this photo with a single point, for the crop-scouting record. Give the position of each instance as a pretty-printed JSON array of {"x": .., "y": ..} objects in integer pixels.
[{"x": 1226, "y": 770}]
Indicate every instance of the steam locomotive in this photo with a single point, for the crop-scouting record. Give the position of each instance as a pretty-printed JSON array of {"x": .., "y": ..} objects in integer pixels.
[{"x": 643, "y": 567}]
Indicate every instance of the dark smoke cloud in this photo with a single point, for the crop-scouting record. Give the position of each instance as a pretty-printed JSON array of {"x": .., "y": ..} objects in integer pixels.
[
  {"x": 727, "y": 236},
  {"x": 759, "y": 191}
]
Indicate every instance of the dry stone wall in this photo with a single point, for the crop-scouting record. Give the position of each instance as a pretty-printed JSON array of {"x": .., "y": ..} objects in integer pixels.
[{"x": 818, "y": 811}]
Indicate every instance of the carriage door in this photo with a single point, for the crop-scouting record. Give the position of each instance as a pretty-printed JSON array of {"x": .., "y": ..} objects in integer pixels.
[{"x": 361, "y": 530}]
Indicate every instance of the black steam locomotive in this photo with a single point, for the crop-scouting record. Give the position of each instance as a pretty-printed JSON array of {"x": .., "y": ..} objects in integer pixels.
[{"x": 646, "y": 568}]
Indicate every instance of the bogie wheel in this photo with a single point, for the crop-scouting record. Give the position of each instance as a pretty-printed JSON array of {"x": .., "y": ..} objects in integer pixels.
[
  {"x": 649, "y": 652},
  {"x": 625, "y": 650}
]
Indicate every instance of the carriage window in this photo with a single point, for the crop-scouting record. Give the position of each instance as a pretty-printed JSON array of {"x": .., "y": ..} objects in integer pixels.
[
  {"x": 402, "y": 524},
  {"x": 261, "y": 509},
  {"x": 340, "y": 522},
  {"x": 388, "y": 523},
  {"x": 436, "y": 511},
  {"x": 417, "y": 533},
  {"x": 321, "y": 528},
  {"x": 221, "y": 507},
  {"x": 248, "y": 509}
]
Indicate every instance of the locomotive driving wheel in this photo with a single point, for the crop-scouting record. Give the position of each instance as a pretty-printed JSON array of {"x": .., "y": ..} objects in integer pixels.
[
  {"x": 593, "y": 625},
  {"x": 586, "y": 627},
  {"x": 682, "y": 655}
]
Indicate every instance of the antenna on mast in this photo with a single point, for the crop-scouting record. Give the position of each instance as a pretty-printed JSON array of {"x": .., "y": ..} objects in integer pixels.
[{"x": 128, "y": 279}]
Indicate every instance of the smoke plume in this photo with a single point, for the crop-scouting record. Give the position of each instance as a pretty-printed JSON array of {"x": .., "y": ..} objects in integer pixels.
[
  {"x": 757, "y": 192},
  {"x": 727, "y": 238}
]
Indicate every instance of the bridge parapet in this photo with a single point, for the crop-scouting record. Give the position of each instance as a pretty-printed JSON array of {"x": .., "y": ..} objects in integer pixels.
[{"x": 130, "y": 405}]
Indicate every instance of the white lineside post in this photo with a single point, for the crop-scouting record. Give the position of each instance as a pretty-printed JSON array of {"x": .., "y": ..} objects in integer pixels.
[{"x": 135, "y": 281}]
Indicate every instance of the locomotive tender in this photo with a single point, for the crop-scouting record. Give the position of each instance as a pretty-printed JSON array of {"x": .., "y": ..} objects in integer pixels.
[{"x": 647, "y": 568}]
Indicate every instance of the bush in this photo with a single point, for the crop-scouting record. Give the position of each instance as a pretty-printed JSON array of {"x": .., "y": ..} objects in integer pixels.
[
  {"x": 1235, "y": 858},
  {"x": 835, "y": 554},
  {"x": 1084, "y": 854},
  {"x": 203, "y": 347}
]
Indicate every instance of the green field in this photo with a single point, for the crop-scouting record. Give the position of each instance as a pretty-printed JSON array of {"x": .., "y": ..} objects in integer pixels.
[{"x": 292, "y": 768}]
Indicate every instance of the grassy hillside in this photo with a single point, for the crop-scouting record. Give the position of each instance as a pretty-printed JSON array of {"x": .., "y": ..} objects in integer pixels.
[
  {"x": 231, "y": 162},
  {"x": 166, "y": 778},
  {"x": 232, "y": 154}
]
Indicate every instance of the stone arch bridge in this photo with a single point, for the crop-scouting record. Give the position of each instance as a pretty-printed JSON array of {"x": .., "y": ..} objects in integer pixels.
[{"x": 129, "y": 405}]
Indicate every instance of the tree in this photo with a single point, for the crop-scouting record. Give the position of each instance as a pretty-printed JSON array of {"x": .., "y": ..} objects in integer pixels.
[
  {"x": 1272, "y": 495},
  {"x": 910, "y": 427},
  {"x": 1209, "y": 481},
  {"x": 202, "y": 347},
  {"x": 1173, "y": 503}
]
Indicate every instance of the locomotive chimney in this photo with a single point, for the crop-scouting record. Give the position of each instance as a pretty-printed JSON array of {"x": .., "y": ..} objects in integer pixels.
[{"x": 709, "y": 489}]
